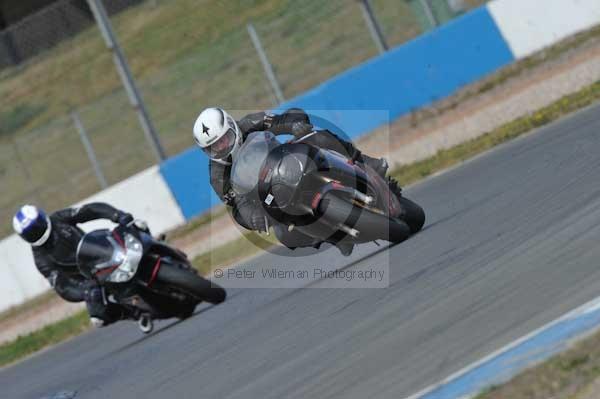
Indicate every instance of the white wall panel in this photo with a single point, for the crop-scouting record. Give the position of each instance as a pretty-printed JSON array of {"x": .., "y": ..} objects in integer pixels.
[
  {"x": 146, "y": 196},
  {"x": 531, "y": 25}
]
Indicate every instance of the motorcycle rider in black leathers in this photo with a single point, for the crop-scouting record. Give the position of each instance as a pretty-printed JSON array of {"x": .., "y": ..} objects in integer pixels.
[
  {"x": 54, "y": 241},
  {"x": 219, "y": 136}
]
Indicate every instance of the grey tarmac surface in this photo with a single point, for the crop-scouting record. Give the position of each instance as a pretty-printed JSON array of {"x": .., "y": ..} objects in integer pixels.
[{"x": 511, "y": 242}]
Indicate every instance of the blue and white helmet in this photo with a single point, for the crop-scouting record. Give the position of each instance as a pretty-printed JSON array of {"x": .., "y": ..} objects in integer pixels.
[{"x": 33, "y": 225}]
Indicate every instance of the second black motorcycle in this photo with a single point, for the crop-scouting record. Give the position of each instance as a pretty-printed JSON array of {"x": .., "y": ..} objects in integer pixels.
[{"x": 151, "y": 278}]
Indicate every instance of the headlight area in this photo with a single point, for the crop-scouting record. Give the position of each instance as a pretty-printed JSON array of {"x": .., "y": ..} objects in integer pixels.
[{"x": 128, "y": 268}]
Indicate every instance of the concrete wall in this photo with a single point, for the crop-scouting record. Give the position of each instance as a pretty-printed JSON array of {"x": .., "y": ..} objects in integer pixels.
[
  {"x": 530, "y": 25},
  {"x": 145, "y": 195},
  {"x": 19, "y": 279}
]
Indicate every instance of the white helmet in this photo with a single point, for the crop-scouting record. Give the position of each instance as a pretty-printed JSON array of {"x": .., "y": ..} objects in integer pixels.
[{"x": 216, "y": 132}]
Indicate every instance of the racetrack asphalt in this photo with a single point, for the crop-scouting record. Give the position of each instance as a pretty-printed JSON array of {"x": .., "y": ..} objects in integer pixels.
[{"x": 511, "y": 243}]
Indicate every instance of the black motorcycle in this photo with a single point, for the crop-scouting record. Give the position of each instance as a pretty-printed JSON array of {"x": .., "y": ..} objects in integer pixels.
[
  {"x": 322, "y": 193},
  {"x": 147, "y": 276}
]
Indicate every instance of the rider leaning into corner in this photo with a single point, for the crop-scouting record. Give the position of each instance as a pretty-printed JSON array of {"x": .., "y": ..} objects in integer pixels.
[
  {"x": 220, "y": 136},
  {"x": 54, "y": 241}
]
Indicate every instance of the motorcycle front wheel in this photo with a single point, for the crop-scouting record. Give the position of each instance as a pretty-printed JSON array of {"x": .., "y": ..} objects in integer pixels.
[
  {"x": 413, "y": 214},
  {"x": 370, "y": 225},
  {"x": 192, "y": 284}
]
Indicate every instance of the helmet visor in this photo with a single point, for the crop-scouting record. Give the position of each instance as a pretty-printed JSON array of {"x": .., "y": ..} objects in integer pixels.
[
  {"x": 223, "y": 146},
  {"x": 36, "y": 230}
]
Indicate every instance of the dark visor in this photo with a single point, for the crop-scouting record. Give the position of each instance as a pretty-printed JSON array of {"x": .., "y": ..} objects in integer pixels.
[{"x": 34, "y": 232}]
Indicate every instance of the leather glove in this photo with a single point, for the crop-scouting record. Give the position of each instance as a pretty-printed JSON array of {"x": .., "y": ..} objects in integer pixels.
[
  {"x": 250, "y": 216},
  {"x": 52, "y": 278},
  {"x": 294, "y": 121},
  {"x": 93, "y": 293},
  {"x": 89, "y": 286},
  {"x": 124, "y": 218},
  {"x": 141, "y": 225},
  {"x": 258, "y": 222},
  {"x": 229, "y": 197}
]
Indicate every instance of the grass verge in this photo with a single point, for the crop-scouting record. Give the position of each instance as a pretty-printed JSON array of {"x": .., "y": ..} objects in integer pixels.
[
  {"x": 251, "y": 243},
  {"x": 568, "y": 375},
  {"x": 49, "y": 335},
  {"x": 199, "y": 221}
]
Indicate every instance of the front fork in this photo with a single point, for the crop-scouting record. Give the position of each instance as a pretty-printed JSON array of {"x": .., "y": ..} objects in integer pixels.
[
  {"x": 334, "y": 185},
  {"x": 350, "y": 192}
]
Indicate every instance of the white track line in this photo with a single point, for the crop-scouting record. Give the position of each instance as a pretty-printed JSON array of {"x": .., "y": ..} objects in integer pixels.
[{"x": 583, "y": 309}]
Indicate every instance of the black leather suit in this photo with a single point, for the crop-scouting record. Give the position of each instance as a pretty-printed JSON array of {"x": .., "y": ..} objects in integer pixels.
[{"x": 56, "y": 259}]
